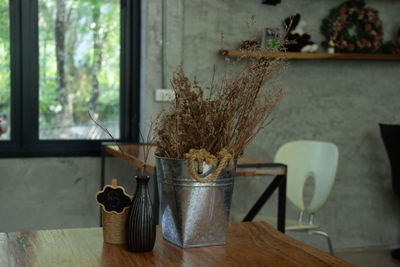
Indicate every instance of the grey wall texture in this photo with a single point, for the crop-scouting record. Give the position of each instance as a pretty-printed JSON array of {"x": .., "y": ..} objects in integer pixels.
[
  {"x": 54, "y": 193},
  {"x": 337, "y": 101}
]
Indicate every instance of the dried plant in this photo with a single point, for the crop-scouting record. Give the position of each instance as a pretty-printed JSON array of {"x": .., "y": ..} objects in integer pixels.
[
  {"x": 229, "y": 113},
  {"x": 144, "y": 147},
  {"x": 107, "y": 132}
]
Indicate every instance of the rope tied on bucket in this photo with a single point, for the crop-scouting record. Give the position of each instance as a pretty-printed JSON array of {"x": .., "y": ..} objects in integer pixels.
[{"x": 201, "y": 155}]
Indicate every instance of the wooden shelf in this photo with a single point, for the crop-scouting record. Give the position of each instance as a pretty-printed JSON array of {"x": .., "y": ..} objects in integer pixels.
[{"x": 299, "y": 55}]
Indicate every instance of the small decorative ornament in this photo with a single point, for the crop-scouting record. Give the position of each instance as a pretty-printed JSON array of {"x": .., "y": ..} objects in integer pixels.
[
  {"x": 331, "y": 48},
  {"x": 270, "y": 39},
  {"x": 354, "y": 28},
  {"x": 115, "y": 206},
  {"x": 297, "y": 40},
  {"x": 113, "y": 198}
]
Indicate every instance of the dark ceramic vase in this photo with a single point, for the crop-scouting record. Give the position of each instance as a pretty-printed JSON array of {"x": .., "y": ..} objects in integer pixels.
[{"x": 140, "y": 226}]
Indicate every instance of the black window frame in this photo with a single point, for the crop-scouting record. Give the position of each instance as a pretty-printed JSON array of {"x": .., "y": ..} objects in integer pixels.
[{"x": 24, "y": 116}]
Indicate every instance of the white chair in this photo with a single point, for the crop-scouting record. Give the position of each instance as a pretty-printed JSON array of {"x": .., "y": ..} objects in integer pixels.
[{"x": 305, "y": 159}]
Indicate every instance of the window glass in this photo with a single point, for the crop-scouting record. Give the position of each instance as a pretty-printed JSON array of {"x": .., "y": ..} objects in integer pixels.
[
  {"x": 79, "y": 62},
  {"x": 5, "y": 85}
]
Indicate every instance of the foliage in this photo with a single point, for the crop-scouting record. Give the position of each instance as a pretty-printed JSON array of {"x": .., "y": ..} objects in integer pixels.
[
  {"x": 4, "y": 58},
  {"x": 352, "y": 27},
  {"x": 85, "y": 21}
]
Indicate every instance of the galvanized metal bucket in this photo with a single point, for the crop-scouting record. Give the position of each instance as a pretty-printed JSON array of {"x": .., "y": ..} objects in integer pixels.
[{"x": 194, "y": 214}]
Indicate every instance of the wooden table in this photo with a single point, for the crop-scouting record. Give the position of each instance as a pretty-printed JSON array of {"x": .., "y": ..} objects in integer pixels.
[
  {"x": 246, "y": 166},
  {"x": 248, "y": 244}
]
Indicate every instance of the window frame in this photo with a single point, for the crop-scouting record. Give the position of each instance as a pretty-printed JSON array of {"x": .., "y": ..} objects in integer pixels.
[{"x": 24, "y": 116}]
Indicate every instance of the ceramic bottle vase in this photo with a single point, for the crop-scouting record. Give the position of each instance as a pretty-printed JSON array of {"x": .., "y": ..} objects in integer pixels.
[{"x": 140, "y": 226}]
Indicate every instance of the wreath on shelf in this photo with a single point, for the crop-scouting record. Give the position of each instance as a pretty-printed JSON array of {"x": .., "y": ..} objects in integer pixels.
[{"x": 354, "y": 28}]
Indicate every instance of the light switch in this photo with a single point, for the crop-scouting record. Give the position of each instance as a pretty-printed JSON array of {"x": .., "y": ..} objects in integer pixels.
[{"x": 164, "y": 95}]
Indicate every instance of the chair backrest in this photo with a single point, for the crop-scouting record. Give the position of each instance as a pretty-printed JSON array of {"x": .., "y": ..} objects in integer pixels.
[
  {"x": 306, "y": 159},
  {"x": 391, "y": 138}
]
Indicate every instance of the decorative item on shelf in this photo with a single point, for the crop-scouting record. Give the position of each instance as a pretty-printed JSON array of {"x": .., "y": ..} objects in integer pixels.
[
  {"x": 355, "y": 28},
  {"x": 296, "y": 38},
  {"x": 331, "y": 47},
  {"x": 270, "y": 39},
  {"x": 140, "y": 225},
  {"x": 199, "y": 139},
  {"x": 249, "y": 45},
  {"x": 115, "y": 204}
]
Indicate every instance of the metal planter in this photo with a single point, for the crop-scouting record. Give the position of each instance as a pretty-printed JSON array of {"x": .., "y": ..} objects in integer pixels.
[{"x": 194, "y": 214}]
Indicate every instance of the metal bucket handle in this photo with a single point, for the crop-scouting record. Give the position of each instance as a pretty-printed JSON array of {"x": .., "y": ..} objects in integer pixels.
[{"x": 200, "y": 155}]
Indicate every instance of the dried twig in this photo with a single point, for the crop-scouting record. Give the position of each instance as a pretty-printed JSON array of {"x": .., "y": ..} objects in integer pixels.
[
  {"x": 145, "y": 145},
  {"x": 107, "y": 132}
]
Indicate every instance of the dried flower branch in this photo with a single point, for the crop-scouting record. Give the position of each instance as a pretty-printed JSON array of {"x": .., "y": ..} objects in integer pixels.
[
  {"x": 227, "y": 114},
  {"x": 107, "y": 132},
  {"x": 145, "y": 145}
]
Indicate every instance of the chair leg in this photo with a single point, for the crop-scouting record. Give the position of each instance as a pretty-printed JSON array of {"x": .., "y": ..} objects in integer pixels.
[{"x": 313, "y": 232}]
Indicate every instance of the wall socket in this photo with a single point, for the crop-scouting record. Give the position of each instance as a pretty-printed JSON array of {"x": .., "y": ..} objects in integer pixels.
[{"x": 164, "y": 95}]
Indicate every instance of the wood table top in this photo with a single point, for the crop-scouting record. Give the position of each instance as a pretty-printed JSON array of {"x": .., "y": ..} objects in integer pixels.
[
  {"x": 248, "y": 244},
  {"x": 134, "y": 155}
]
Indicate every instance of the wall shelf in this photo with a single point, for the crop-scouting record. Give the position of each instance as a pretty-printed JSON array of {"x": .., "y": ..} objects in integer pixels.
[{"x": 299, "y": 55}]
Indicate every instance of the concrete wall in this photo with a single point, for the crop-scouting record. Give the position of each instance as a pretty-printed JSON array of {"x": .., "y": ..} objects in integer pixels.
[
  {"x": 53, "y": 193},
  {"x": 337, "y": 101}
]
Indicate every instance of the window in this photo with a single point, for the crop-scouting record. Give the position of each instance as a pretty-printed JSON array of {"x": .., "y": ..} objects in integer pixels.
[
  {"x": 68, "y": 58},
  {"x": 5, "y": 86},
  {"x": 79, "y": 59}
]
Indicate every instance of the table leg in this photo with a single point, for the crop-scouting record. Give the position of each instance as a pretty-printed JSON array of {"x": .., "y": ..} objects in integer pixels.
[
  {"x": 282, "y": 203},
  {"x": 103, "y": 172},
  {"x": 263, "y": 199},
  {"x": 103, "y": 167}
]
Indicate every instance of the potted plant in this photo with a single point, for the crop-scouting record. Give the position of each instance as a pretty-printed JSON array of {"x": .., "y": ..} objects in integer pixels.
[{"x": 200, "y": 138}]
